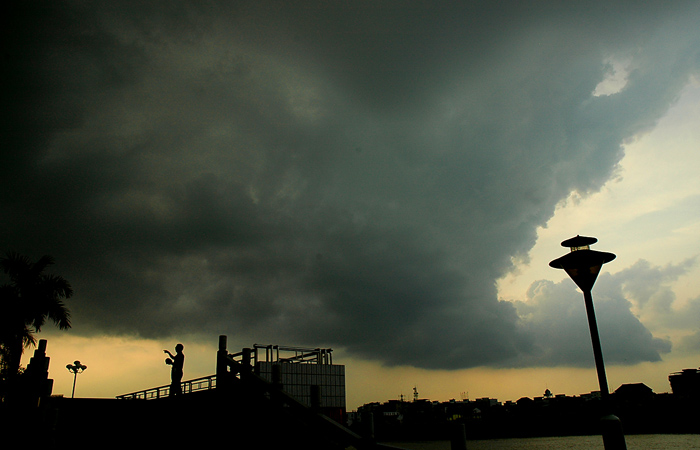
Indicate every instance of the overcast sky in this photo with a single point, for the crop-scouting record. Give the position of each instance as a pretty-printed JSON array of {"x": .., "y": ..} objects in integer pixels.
[{"x": 356, "y": 175}]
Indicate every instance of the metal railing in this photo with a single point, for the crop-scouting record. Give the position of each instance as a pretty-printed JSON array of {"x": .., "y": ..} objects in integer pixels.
[
  {"x": 280, "y": 353},
  {"x": 189, "y": 386}
]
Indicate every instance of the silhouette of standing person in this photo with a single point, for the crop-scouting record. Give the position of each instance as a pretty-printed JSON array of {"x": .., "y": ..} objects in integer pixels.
[{"x": 178, "y": 362}]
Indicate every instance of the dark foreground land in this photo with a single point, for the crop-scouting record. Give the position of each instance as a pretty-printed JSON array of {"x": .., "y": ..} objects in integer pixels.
[
  {"x": 194, "y": 420},
  {"x": 94, "y": 423},
  {"x": 207, "y": 418}
]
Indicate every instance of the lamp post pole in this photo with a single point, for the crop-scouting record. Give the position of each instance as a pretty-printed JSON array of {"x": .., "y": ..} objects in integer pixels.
[
  {"x": 75, "y": 369},
  {"x": 597, "y": 349},
  {"x": 583, "y": 266}
]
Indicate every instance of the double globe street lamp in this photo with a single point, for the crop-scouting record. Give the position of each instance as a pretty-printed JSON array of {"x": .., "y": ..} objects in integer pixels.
[
  {"x": 75, "y": 369},
  {"x": 583, "y": 266}
]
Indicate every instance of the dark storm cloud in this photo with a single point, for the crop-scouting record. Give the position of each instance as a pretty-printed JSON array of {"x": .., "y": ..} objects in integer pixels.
[
  {"x": 353, "y": 175},
  {"x": 648, "y": 288},
  {"x": 554, "y": 316}
]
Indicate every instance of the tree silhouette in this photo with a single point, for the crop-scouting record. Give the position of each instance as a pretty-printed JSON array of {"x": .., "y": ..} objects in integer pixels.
[{"x": 26, "y": 302}]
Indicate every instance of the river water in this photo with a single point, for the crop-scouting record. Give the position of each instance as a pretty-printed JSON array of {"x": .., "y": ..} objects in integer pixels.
[{"x": 634, "y": 442}]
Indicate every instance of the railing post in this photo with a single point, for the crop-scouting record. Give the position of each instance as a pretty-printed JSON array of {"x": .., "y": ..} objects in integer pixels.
[
  {"x": 245, "y": 361},
  {"x": 221, "y": 364},
  {"x": 458, "y": 438}
]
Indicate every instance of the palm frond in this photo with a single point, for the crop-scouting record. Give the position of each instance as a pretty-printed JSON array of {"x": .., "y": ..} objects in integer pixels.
[
  {"x": 14, "y": 264},
  {"x": 41, "y": 265},
  {"x": 27, "y": 302}
]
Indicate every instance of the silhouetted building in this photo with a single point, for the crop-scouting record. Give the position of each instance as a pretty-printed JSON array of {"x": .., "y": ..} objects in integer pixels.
[
  {"x": 35, "y": 383},
  {"x": 685, "y": 383},
  {"x": 634, "y": 392},
  {"x": 304, "y": 374}
]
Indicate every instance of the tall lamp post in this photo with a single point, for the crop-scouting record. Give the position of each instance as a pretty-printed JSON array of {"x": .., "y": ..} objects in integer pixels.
[
  {"x": 75, "y": 369},
  {"x": 583, "y": 266}
]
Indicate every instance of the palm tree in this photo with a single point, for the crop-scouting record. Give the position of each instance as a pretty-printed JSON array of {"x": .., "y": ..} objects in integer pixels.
[{"x": 26, "y": 302}]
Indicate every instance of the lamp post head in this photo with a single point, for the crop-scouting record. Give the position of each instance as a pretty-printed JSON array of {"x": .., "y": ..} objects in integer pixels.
[
  {"x": 582, "y": 264},
  {"x": 76, "y": 367}
]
